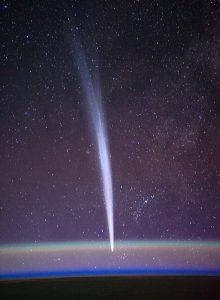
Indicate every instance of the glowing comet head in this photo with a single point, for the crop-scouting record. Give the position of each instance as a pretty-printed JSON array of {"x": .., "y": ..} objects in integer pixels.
[
  {"x": 94, "y": 108},
  {"x": 112, "y": 247}
]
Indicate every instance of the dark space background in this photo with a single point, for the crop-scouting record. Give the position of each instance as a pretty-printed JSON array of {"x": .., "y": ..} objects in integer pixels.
[{"x": 159, "y": 64}]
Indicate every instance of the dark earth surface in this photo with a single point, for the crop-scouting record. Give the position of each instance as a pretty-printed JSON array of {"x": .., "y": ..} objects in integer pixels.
[{"x": 152, "y": 287}]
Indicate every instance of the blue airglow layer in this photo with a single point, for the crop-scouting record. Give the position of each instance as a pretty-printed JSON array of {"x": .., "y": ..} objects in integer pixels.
[{"x": 103, "y": 272}]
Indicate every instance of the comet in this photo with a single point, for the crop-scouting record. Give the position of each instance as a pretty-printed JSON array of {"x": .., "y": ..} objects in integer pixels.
[{"x": 92, "y": 94}]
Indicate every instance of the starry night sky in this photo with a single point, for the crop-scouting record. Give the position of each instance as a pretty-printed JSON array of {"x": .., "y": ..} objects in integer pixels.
[{"x": 159, "y": 65}]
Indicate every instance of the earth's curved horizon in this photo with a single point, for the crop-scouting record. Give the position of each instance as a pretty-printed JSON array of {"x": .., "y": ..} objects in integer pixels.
[{"x": 94, "y": 258}]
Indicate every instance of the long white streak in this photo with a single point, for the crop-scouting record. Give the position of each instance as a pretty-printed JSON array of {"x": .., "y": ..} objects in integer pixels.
[{"x": 93, "y": 96}]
